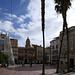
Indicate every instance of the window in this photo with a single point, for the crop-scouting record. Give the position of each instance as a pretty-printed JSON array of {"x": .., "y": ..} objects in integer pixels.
[
  {"x": 25, "y": 51},
  {"x": 55, "y": 52},
  {"x": 14, "y": 49},
  {"x": 65, "y": 39},
  {"x": 61, "y": 62},
  {"x": 52, "y": 47},
  {"x": 14, "y": 53},
  {"x": 65, "y": 62},
  {"x": 70, "y": 38},
  {"x": 56, "y": 46},
  {"x": 6, "y": 42},
  {"x": 1, "y": 49},
  {"x": 57, "y": 41},
  {"x": 2, "y": 45},
  {"x": 1, "y": 37},
  {"x": 65, "y": 44},
  {"x": 71, "y": 43},
  {"x": 25, "y": 55},
  {"x": 71, "y": 48},
  {"x": 2, "y": 41},
  {"x": 13, "y": 42},
  {"x": 20, "y": 51}
]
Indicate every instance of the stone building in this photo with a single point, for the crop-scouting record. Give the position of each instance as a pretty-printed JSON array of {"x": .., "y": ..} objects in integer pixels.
[
  {"x": 63, "y": 56},
  {"x": 39, "y": 53},
  {"x": 26, "y": 54},
  {"x": 21, "y": 54},
  {"x": 54, "y": 47}
]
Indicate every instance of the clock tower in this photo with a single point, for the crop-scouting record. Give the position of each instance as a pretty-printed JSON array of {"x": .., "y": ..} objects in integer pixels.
[{"x": 27, "y": 43}]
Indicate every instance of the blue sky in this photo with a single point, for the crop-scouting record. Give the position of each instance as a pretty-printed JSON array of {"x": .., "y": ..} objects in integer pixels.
[{"x": 26, "y": 20}]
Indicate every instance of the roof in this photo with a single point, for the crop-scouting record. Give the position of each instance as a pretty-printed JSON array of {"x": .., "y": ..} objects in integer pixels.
[{"x": 13, "y": 39}]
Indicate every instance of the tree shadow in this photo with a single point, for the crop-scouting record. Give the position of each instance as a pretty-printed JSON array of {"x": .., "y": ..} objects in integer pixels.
[
  {"x": 27, "y": 68},
  {"x": 62, "y": 73}
]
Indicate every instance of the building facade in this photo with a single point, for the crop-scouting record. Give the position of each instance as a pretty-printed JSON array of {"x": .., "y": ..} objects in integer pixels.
[
  {"x": 47, "y": 55},
  {"x": 21, "y": 54},
  {"x": 54, "y": 47},
  {"x": 3, "y": 43},
  {"x": 39, "y": 53},
  {"x": 27, "y": 53},
  {"x": 14, "y": 45},
  {"x": 5, "y": 46},
  {"x": 63, "y": 55}
]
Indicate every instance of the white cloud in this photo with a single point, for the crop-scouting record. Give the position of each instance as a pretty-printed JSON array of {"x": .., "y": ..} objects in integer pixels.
[
  {"x": 6, "y": 25},
  {"x": 21, "y": 18},
  {"x": 23, "y": 25},
  {"x": 70, "y": 15},
  {"x": 10, "y": 16},
  {"x": 53, "y": 23}
]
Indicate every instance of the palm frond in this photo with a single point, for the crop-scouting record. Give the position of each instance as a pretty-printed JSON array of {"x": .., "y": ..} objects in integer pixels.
[{"x": 60, "y": 3}]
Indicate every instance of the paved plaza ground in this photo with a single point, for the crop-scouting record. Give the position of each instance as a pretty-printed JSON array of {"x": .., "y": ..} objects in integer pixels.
[{"x": 36, "y": 69}]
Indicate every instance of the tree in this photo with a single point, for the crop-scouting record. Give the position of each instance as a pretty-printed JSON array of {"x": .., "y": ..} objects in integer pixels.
[
  {"x": 3, "y": 59},
  {"x": 43, "y": 27},
  {"x": 61, "y": 7}
]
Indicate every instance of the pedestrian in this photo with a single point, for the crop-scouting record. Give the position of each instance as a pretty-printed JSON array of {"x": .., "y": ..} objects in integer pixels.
[{"x": 22, "y": 63}]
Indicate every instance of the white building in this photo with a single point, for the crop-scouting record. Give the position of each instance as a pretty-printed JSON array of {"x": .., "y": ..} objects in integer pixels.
[
  {"x": 5, "y": 46},
  {"x": 54, "y": 47}
]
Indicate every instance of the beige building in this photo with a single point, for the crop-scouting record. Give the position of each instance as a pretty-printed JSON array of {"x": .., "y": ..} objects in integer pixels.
[
  {"x": 3, "y": 43},
  {"x": 39, "y": 53},
  {"x": 63, "y": 59},
  {"x": 14, "y": 45},
  {"x": 27, "y": 53},
  {"x": 47, "y": 54},
  {"x": 54, "y": 49}
]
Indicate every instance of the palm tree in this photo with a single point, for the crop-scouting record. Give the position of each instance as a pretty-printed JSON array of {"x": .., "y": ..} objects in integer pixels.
[
  {"x": 43, "y": 27},
  {"x": 61, "y": 7}
]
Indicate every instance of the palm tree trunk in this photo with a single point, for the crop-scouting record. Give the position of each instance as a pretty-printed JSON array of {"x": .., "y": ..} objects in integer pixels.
[
  {"x": 66, "y": 28},
  {"x": 43, "y": 71},
  {"x": 68, "y": 59},
  {"x": 61, "y": 42},
  {"x": 43, "y": 24}
]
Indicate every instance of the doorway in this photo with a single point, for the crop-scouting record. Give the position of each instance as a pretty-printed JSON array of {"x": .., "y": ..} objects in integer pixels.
[{"x": 71, "y": 64}]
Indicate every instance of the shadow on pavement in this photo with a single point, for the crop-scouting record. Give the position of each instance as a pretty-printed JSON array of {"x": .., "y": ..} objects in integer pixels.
[
  {"x": 27, "y": 67},
  {"x": 62, "y": 74}
]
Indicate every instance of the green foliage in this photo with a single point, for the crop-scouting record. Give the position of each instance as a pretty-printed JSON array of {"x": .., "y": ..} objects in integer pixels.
[
  {"x": 3, "y": 58},
  {"x": 59, "y": 7}
]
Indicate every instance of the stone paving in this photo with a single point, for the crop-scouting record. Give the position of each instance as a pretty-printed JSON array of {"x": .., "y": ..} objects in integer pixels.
[{"x": 36, "y": 69}]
